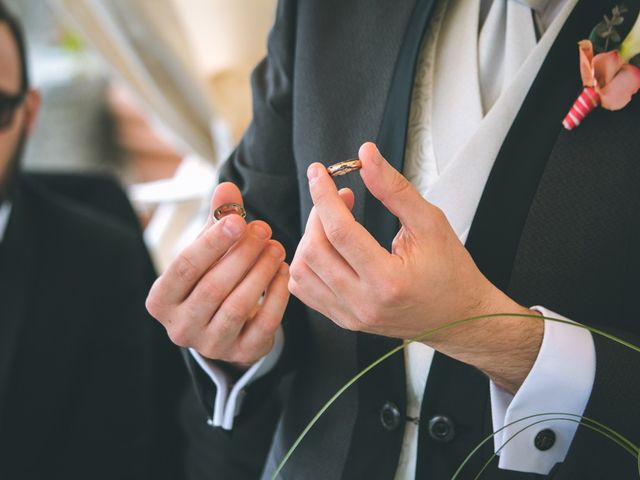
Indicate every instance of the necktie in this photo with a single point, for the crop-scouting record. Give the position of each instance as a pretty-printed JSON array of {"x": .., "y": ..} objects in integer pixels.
[{"x": 506, "y": 39}]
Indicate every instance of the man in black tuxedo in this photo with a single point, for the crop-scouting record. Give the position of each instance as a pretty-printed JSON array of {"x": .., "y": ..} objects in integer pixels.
[
  {"x": 80, "y": 392},
  {"x": 555, "y": 223}
]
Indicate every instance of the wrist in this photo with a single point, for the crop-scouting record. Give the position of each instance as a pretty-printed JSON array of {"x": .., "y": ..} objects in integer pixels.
[{"x": 504, "y": 347}]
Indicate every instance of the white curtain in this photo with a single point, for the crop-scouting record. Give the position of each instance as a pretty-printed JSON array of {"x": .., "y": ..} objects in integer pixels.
[
  {"x": 188, "y": 61},
  {"x": 141, "y": 40}
]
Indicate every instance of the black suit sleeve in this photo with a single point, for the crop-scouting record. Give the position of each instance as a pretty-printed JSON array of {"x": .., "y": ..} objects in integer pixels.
[
  {"x": 264, "y": 169},
  {"x": 132, "y": 372}
]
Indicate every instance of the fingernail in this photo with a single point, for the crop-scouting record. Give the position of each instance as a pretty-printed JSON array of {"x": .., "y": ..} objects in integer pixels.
[
  {"x": 312, "y": 171},
  {"x": 232, "y": 226},
  {"x": 260, "y": 231}
]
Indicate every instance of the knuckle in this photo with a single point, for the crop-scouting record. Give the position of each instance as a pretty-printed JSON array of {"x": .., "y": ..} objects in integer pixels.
[
  {"x": 185, "y": 269},
  {"x": 234, "y": 312},
  {"x": 309, "y": 255},
  {"x": 367, "y": 315},
  {"x": 390, "y": 292},
  {"x": 191, "y": 311},
  {"x": 266, "y": 344},
  {"x": 209, "y": 292},
  {"x": 262, "y": 224},
  {"x": 397, "y": 186},
  {"x": 277, "y": 245},
  {"x": 212, "y": 349},
  {"x": 211, "y": 239},
  {"x": 320, "y": 196},
  {"x": 179, "y": 335},
  {"x": 351, "y": 325},
  {"x": 438, "y": 217},
  {"x": 296, "y": 271},
  {"x": 438, "y": 212},
  {"x": 294, "y": 288},
  {"x": 399, "y": 183},
  {"x": 154, "y": 306},
  {"x": 337, "y": 234},
  {"x": 242, "y": 356},
  {"x": 347, "y": 323},
  {"x": 267, "y": 326}
]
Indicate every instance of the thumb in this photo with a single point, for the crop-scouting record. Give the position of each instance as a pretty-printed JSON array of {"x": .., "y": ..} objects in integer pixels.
[
  {"x": 226, "y": 192},
  {"x": 389, "y": 186}
]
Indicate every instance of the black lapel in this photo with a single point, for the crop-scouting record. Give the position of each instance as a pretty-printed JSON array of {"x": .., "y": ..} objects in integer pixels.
[
  {"x": 504, "y": 206},
  {"x": 374, "y": 452},
  {"x": 393, "y": 130},
  {"x": 16, "y": 262}
]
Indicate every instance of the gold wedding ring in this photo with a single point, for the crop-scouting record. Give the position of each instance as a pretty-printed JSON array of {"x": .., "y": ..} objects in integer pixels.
[
  {"x": 345, "y": 167},
  {"x": 227, "y": 209}
]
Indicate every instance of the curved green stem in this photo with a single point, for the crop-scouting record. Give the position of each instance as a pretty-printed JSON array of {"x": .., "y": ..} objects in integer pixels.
[
  {"x": 421, "y": 337},
  {"x": 624, "y": 442},
  {"x": 596, "y": 429},
  {"x": 327, "y": 405}
]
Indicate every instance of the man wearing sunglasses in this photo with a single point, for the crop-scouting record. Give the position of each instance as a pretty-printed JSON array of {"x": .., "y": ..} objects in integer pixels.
[
  {"x": 18, "y": 107},
  {"x": 78, "y": 354}
]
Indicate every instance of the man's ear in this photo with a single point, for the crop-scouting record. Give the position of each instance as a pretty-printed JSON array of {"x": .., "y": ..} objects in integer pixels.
[{"x": 32, "y": 108}]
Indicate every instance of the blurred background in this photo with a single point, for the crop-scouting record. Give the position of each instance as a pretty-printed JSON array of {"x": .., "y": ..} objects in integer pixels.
[{"x": 155, "y": 92}]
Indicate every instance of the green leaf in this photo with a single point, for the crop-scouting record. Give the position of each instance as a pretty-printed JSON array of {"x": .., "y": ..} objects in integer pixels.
[
  {"x": 599, "y": 43},
  {"x": 602, "y": 30},
  {"x": 620, "y": 10}
]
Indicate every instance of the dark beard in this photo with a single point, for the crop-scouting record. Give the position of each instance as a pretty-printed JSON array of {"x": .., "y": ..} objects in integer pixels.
[{"x": 8, "y": 184}]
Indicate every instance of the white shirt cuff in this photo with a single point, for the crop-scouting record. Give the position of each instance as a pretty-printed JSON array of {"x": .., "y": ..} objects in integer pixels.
[
  {"x": 229, "y": 396},
  {"x": 560, "y": 382}
]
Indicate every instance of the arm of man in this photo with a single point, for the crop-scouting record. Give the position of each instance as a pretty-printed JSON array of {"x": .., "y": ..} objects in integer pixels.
[
  {"x": 427, "y": 281},
  {"x": 261, "y": 175}
]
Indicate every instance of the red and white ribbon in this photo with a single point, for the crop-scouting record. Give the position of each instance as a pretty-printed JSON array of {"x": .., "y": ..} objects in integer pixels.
[{"x": 588, "y": 100}]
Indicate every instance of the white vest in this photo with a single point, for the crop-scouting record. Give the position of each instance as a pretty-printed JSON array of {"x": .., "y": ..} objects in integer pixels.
[{"x": 451, "y": 145}]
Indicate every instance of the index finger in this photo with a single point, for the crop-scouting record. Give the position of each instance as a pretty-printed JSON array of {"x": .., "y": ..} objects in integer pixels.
[
  {"x": 356, "y": 245},
  {"x": 194, "y": 261}
]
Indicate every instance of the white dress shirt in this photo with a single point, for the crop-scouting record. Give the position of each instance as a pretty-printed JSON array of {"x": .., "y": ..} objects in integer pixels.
[
  {"x": 449, "y": 161},
  {"x": 449, "y": 157},
  {"x": 5, "y": 213}
]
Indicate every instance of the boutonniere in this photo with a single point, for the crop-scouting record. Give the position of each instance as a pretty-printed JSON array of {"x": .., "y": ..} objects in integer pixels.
[{"x": 609, "y": 67}]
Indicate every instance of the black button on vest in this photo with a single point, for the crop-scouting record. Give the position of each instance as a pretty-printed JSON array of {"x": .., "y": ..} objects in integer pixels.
[
  {"x": 390, "y": 416},
  {"x": 545, "y": 439},
  {"x": 442, "y": 429}
]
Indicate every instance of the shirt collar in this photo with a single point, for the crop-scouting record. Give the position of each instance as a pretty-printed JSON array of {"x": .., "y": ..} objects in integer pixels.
[
  {"x": 5, "y": 212},
  {"x": 545, "y": 10}
]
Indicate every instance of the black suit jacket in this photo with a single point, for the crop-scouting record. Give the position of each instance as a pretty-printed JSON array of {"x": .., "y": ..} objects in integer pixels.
[
  {"x": 557, "y": 225},
  {"x": 81, "y": 395}
]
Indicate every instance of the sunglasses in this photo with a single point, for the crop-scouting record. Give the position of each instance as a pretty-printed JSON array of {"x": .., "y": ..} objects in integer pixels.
[{"x": 8, "y": 106}]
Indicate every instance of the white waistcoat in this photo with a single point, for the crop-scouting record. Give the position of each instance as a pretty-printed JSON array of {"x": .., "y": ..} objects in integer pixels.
[{"x": 452, "y": 145}]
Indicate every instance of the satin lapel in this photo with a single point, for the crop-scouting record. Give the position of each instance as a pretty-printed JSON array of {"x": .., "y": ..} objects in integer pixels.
[
  {"x": 16, "y": 266},
  {"x": 508, "y": 194},
  {"x": 387, "y": 382},
  {"x": 393, "y": 130}
]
